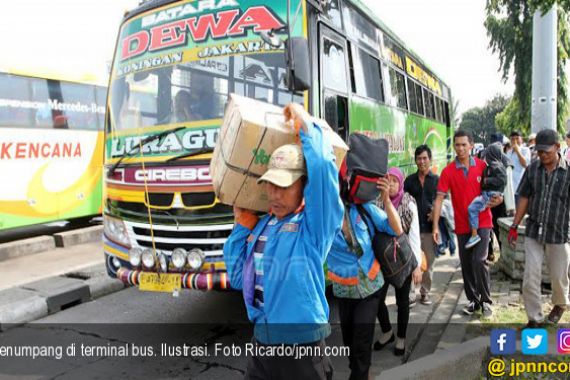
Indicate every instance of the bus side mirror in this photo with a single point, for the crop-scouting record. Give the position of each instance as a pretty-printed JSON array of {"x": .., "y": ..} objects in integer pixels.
[{"x": 298, "y": 76}]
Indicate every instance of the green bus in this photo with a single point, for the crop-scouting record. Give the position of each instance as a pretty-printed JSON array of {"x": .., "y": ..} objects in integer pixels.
[{"x": 175, "y": 64}]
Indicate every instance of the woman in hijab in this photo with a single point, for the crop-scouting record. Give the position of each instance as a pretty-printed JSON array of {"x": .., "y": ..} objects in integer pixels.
[{"x": 407, "y": 209}]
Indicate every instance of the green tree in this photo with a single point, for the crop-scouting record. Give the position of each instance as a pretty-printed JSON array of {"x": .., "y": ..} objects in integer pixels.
[
  {"x": 509, "y": 27},
  {"x": 481, "y": 120}
]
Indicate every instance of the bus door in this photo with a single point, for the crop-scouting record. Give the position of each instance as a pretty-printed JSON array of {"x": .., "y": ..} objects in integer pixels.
[{"x": 334, "y": 80}]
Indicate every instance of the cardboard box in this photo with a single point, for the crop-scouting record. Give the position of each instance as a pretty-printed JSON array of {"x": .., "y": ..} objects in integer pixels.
[{"x": 249, "y": 134}]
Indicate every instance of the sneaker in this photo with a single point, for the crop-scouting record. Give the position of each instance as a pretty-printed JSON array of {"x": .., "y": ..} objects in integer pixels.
[
  {"x": 471, "y": 308},
  {"x": 451, "y": 253},
  {"x": 555, "y": 314},
  {"x": 412, "y": 301},
  {"x": 472, "y": 242},
  {"x": 487, "y": 311},
  {"x": 425, "y": 300}
]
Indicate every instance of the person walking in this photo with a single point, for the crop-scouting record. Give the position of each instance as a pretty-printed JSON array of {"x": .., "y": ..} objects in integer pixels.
[
  {"x": 277, "y": 261},
  {"x": 493, "y": 183},
  {"x": 462, "y": 178},
  {"x": 408, "y": 213},
  {"x": 545, "y": 195},
  {"x": 355, "y": 273},
  {"x": 422, "y": 186},
  {"x": 520, "y": 157}
]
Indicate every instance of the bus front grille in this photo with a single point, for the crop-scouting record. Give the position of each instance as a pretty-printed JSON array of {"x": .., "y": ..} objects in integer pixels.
[{"x": 209, "y": 238}]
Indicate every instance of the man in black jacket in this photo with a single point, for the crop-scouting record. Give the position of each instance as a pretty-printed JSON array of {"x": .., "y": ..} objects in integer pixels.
[
  {"x": 422, "y": 185},
  {"x": 493, "y": 183}
]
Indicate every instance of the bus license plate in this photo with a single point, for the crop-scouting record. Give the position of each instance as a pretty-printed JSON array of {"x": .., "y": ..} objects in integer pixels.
[{"x": 165, "y": 282}]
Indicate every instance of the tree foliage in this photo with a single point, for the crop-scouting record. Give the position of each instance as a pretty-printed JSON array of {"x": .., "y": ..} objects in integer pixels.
[
  {"x": 481, "y": 120},
  {"x": 509, "y": 27}
]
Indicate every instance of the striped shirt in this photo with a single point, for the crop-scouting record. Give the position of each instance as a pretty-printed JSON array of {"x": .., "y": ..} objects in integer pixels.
[
  {"x": 549, "y": 202},
  {"x": 258, "y": 251}
]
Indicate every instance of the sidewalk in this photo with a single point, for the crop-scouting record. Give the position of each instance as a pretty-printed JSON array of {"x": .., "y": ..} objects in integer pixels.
[{"x": 33, "y": 286}]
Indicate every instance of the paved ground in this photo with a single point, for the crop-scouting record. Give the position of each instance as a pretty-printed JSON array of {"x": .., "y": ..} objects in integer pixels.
[{"x": 111, "y": 316}]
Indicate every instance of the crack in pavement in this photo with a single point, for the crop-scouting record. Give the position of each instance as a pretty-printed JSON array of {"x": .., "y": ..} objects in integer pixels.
[{"x": 83, "y": 333}]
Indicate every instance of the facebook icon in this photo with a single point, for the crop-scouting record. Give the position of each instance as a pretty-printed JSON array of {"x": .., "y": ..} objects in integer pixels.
[{"x": 503, "y": 341}]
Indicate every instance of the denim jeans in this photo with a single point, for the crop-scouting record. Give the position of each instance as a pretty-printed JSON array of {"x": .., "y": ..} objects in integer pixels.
[{"x": 477, "y": 205}]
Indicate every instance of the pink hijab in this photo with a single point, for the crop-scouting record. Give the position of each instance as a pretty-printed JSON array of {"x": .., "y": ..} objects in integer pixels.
[{"x": 394, "y": 171}]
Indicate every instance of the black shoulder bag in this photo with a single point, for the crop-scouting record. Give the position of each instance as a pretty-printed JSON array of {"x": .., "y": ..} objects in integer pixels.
[{"x": 394, "y": 253}]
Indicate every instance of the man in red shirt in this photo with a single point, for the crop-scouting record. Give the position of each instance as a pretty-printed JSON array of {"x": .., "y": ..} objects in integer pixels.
[{"x": 462, "y": 178}]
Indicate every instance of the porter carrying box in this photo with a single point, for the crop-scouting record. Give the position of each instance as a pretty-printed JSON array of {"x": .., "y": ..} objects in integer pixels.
[{"x": 250, "y": 132}]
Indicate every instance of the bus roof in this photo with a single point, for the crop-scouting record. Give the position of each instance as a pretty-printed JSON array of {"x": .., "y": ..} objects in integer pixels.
[
  {"x": 366, "y": 11},
  {"x": 45, "y": 73}
]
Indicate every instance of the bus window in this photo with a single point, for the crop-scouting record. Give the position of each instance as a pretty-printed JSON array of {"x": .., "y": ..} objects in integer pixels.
[
  {"x": 367, "y": 77},
  {"x": 336, "y": 113},
  {"x": 15, "y": 106},
  {"x": 413, "y": 96},
  {"x": 332, "y": 11},
  {"x": 43, "y": 116},
  {"x": 80, "y": 105},
  {"x": 446, "y": 113},
  {"x": 397, "y": 89},
  {"x": 262, "y": 77},
  {"x": 151, "y": 98},
  {"x": 334, "y": 72},
  {"x": 429, "y": 106},
  {"x": 359, "y": 28},
  {"x": 419, "y": 99},
  {"x": 100, "y": 99},
  {"x": 438, "y": 110}
]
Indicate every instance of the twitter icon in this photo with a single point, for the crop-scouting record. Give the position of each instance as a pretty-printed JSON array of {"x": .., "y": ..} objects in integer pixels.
[{"x": 534, "y": 342}]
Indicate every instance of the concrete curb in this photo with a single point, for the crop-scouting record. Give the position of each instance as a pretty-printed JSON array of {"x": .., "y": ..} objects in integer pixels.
[
  {"x": 19, "y": 306},
  {"x": 40, "y": 298},
  {"x": 460, "y": 362},
  {"x": 80, "y": 236},
  {"x": 26, "y": 247}
]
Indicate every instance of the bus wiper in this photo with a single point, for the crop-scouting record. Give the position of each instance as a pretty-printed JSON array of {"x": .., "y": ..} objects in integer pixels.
[
  {"x": 144, "y": 141},
  {"x": 196, "y": 152}
]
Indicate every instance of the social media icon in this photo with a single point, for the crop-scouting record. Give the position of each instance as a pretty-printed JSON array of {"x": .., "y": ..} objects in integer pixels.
[
  {"x": 563, "y": 341},
  {"x": 535, "y": 341},
  {"x": 503, "y": 341}
]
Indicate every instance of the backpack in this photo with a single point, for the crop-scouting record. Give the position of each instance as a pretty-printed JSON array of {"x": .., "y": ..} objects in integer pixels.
[
  {"x": 366, "y": 161},
  {"x": 394, "y": 254}
]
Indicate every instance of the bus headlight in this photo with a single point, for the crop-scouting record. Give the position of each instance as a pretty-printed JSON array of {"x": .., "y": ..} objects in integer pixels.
[
  {"x": 135, "y": 256},
  {"x": 148, "y": 258},
  {"x": 178, "y": 258},
  {"x": 163, "y": 262},
  {"x": 116, "y": 230},
  {"x": 196, "y": 258}
]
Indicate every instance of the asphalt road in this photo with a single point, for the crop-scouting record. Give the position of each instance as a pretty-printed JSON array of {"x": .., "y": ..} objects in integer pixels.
[
  {"x": 137, "y": 335},
  {"x": 133, "y": 321}
]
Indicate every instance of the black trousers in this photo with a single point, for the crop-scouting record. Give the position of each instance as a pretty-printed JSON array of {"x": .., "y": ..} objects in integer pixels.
[
  {"x": 288, "y": 367},
  {"x": 499, "y": 211},
  {"x": 474, "y": 267},
  {"x": 403, "y": 302},
  {"x": 357, "y": 321}
]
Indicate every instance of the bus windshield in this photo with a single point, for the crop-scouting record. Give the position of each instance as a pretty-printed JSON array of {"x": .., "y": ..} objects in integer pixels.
[{"x": 196, "y": 91}]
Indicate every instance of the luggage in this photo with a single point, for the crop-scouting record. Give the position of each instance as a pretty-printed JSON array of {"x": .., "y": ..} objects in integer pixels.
[
  {"x": 366, "y": 161},
  {"x": 250, "y": 132}
]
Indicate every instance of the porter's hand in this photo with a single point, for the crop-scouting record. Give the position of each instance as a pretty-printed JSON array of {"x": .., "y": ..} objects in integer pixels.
[{"x": 297, "y": 114}]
